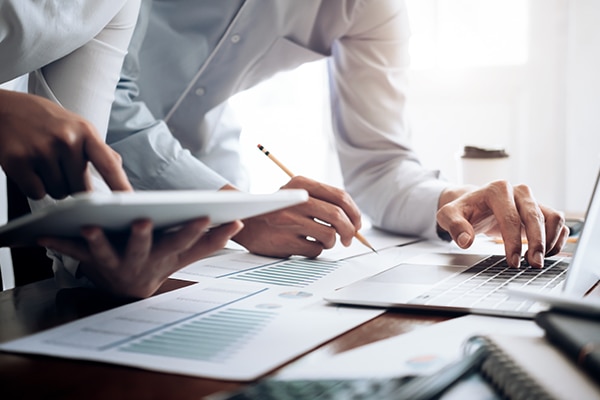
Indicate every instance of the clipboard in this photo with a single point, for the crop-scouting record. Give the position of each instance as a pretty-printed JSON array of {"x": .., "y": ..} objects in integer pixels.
[{"x": 115, "y": 211}]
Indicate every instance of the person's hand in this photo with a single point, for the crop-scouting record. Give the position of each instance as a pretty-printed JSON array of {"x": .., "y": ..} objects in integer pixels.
[
  {"x": 146, "y": 260},
  {"x": 45, "y": 149},
  {"x": 305, "y": 229},
  {"x": 511, "y": 212}
]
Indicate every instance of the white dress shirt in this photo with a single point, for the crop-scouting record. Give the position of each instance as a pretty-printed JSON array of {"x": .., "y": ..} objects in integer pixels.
[
  {"x": 73, "y": 52},
  {"x": 170, "y": 120},
  {"x": 35, "y": 33}
]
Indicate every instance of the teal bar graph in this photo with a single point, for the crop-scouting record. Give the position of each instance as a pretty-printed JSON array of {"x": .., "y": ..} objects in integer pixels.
[
  {"x": 212, "y": 338},
  {"x": 295, "y": 273}
]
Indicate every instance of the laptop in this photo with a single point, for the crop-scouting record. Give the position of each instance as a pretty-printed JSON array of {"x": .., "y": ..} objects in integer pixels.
[{"x": 484, "y": 284}]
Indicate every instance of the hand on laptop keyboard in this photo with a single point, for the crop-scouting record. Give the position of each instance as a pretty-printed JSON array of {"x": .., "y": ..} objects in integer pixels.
[{"x": 500, "y": 209}]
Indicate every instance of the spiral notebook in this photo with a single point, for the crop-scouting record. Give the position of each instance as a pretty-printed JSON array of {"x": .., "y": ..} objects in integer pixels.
[{"x": 528, "y": 367}]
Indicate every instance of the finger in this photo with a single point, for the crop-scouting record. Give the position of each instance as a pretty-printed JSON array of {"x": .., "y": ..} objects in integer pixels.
[
  {"x": 51, "y": 173},
  {"x": 100, "y": 248},
  {"x": 72, "y": 248},
  {"x": 108, "y": 163},
  {"x": 28, "y": 181},
  {"x": 310, "y": 219},
  {"x": 555, "y": 230},
  {"x": 139, "y": 244},
  {"x": 560, "y": 242},
  {"x": 279, "y": 234},
  {"x": 500, "y": 198},
  {"x": 533, "y": 222},
  {"x": 283, "y": 240},
  {"x": 334, "y": 219},
  {"x": 307, "y": 247},
  {"x": 329, "y": 194},
  {"x": 289, "y": 245},
  {"x": 322, "y": 233},
  {"x": 213, "y": 240},
  {"x": 451, "y": 219},
  {"x": 182, "y": 239},
  {"x": 74, "y": 166}
]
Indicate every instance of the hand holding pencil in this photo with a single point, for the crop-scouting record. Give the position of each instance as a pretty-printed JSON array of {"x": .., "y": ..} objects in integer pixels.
[{"x": 352, "y": 209}]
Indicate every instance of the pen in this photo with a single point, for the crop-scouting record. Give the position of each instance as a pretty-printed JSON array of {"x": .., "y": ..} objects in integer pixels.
[{"x": 357, "y": 234}]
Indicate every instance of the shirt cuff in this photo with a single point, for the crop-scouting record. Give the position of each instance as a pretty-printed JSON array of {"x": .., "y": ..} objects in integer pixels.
[
  {"x": 187, "y": 173},
  {"x": 416, "y": 215},
  {"x": 156, "y": 161}
]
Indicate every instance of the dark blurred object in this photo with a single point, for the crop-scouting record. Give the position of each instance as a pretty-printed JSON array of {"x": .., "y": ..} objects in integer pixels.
[
  {"x": 576, "y": 336},
  {"x": 480, "y": 152},
  {"x": 575, "y": 225},
  {"x": 413, "y": 387},
  {"x": 30, "y": 264}
]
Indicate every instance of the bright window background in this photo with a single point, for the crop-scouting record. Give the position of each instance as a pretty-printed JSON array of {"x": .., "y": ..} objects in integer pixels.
[
  {"x": 517, "y": 74},
  {"x": 468, "y": 33},
  {"x": 290, "y": 116}
]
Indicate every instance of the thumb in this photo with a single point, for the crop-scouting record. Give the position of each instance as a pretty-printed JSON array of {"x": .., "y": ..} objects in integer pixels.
[{"x": 459, "y": 228}]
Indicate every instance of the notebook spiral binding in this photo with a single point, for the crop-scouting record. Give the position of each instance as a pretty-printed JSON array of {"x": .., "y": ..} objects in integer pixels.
[{"x": 506, "y": 376}]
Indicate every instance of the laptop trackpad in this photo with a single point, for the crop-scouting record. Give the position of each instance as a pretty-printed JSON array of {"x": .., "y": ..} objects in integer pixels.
[
  {"x": 427, "y": 269},
  {"x": 399, "y": 284},
  {"x": 415, "y": 274}
]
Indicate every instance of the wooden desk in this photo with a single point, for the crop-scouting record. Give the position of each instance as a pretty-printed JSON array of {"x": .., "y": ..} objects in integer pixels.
[{"x": 37, "y": 306}]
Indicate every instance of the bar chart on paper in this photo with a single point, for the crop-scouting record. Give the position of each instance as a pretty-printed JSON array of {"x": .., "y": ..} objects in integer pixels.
[
  {"x": 245, "y": 316},
  {"x": 150, "y": 328},
  {"x": 213, "y": 338},
  {"x": 294, "y": 273},
  {"x": 223, "y": 329}
]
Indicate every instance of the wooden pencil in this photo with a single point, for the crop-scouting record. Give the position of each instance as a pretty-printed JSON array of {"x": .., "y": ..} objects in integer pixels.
[{"x": 357, "y": 234}]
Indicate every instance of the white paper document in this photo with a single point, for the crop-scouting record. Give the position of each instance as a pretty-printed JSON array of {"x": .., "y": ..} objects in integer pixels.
[
  {"x": 236, "y": 261},
  {"x": 421, "y": 351},
  {"x": 246, "y": 316},
  {"x": 222, "y": 330}
]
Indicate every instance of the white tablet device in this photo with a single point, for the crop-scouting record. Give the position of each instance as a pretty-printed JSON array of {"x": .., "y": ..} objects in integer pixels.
[{"x": 116, "y": 211}]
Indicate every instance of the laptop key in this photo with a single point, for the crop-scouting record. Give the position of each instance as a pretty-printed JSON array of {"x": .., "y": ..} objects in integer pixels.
[{"x": 482, "y": 285}]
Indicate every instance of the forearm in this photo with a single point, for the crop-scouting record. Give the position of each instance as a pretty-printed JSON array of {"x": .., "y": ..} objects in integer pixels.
[
  {"x": 381, "y": 170},
  {"x": 154, "y": 160},
  {"x": 404, "y": 199}
]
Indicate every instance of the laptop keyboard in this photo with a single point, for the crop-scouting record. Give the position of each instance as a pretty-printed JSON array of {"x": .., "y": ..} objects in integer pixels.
[{"x": 483, "y": 285}]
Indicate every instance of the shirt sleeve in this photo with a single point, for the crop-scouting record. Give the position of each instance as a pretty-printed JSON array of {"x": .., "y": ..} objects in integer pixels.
[
  {"x": 35, "y": 33},
  {"x": 380, "y": 169},
  {"x": 83, "y": 81},
  {"x": 152, "y": 157}
]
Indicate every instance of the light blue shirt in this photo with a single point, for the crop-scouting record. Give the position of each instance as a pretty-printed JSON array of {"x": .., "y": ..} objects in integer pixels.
[{"x": 170, "y": 120}]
